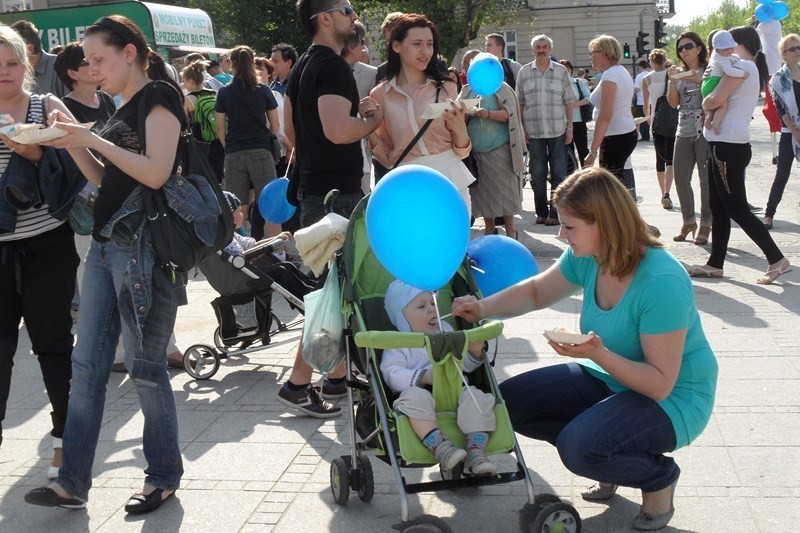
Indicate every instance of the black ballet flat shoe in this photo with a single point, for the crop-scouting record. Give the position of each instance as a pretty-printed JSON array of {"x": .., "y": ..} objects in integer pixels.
[
  {"x": 47, "y": 497},
  {"x": 144, "y": 503}
]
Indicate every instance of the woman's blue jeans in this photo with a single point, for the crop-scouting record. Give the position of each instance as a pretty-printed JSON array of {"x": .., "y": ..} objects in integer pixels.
[
  {"x": 107, "y": 309},
  {"x": 613, "y": 438}
]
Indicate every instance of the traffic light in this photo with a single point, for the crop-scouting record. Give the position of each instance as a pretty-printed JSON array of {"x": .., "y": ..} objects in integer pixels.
[
  {"x": 626, "y": 51},
  {"x": 660, "y": 34},
  {"x": 641, "y": 44}
]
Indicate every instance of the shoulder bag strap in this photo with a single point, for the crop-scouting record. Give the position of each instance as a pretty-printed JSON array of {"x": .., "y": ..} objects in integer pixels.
[{"x": 419, "y": 134}]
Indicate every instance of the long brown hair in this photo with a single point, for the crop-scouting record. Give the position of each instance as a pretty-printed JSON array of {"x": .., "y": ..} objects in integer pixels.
[
  {"x": 242, "y": 60},
  {"x": 595, "y": 196}
]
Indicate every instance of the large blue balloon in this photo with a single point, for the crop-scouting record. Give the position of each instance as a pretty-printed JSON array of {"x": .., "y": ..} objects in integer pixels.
[
  {"x": 780, "y": 10},
  {"x": 503, "y": 262},
  {"x": 272, "y": 202},
  {"x": 485, "y": 74},
  {"x": 418, "y": 226},
  {"x": 764, "y": 12}
]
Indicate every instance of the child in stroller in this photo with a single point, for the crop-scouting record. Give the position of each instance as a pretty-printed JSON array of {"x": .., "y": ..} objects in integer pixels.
[
  {"x": 246, "y": 274},
  {"x": 408, "y": 371}
]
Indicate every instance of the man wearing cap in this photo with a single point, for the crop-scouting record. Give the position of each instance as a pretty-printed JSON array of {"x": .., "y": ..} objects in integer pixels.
[{"x": 215, "y": 70}]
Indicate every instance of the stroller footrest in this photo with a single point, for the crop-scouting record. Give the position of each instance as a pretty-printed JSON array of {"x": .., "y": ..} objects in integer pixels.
[{"x": 413, "y": 451}]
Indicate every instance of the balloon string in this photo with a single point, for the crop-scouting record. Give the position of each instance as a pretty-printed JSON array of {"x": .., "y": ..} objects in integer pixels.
[{"x": 463, "y": 377}]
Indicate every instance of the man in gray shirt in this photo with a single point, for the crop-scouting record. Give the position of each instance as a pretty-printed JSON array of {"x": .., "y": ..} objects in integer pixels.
[
  {"x": 544, "y": 89},
  {"x": 43, "y": 63}
]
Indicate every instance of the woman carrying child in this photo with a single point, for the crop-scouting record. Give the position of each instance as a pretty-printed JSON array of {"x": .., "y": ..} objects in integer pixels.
[
  {"x": 729, "y": 154},
  {"x": 409, "y": 372},
  {"x": 644, "y": 383}
]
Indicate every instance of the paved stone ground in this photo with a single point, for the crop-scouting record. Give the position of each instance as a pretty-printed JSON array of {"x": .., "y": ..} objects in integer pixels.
[{"x": 250, "y": 466}]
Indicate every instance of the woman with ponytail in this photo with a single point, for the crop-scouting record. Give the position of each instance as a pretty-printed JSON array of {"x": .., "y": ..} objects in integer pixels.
[
  {"x": 247, "y": 121},
  {"x": 200, "y": 105},
  {"x": 129, "y": 293},
  {"x": 729, "y": 154}
]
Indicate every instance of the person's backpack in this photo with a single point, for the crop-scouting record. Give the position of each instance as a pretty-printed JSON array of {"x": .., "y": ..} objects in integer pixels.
[
  {"x": 203, "y": 225},
  {"x": 205, "y": 115}
]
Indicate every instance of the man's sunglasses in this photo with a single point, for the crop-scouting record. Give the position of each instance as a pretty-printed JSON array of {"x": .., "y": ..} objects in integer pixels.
[
  {"x": 687, "y": 46},
  {"x": 345, "y": 10}
]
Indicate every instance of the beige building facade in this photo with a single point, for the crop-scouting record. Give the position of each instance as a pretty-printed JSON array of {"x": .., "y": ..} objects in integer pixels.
[{"x": 573, "y": 23}]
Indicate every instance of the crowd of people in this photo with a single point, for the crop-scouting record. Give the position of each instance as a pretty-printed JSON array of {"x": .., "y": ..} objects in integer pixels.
[{"x": 329, "y": 120}]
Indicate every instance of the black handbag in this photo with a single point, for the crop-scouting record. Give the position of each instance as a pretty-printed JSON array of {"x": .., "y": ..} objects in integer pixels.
[
  {"x": 665, "y": 117},
  {"x": 586, "y": 110},
  {"x": 175, "y": 241}
]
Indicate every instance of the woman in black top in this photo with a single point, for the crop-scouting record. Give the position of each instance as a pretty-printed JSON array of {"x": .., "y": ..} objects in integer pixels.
[{"x": 129, "y": 291}]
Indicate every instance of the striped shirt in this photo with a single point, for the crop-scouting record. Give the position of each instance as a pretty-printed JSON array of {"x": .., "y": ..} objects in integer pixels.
[
  {"x": 36, "y": 220},
  {"x": 542, "y": 98}
]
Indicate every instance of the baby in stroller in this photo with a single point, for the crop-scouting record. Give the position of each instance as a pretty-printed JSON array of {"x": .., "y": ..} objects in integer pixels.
[
  {"x": 246, "y": 289},
  {"x": 408, "y": 371}
]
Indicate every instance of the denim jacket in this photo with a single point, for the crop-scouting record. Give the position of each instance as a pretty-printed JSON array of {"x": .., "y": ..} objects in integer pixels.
[
  {"x": 56, "y": 182},
  {"x": 128, "y": 229}
]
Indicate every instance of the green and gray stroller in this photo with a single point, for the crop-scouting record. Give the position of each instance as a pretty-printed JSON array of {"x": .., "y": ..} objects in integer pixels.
[{"x": 376, "y": 428}]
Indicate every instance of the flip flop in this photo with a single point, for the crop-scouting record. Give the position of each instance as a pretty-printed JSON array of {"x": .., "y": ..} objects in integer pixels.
[{"x": 703, "y": 271}]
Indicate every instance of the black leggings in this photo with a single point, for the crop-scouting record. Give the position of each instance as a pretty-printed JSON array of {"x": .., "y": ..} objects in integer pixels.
[
  {"x": 728, "y": 200},
  {"x": 37, "y": 282},
  {"x": 665, "y": 146},
  {"x": 615, "y": 150}
]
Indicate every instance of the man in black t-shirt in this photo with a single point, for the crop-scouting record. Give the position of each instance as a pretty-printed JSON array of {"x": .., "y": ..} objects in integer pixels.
[{"x": 321, "y": 109}]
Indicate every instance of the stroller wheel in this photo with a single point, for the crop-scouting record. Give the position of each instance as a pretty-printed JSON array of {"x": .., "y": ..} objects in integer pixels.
[
  {"x": 366, "y": 482},
  {"x": 424, "y": 524},
  {"x": 201, "y": 361},
  {"x": 340, "y": 479},
  {"x": 219, "y": 343},
  {"x": 558, "y": 516}
]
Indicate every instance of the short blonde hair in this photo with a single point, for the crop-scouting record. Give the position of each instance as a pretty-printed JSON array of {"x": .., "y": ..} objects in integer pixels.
[
  {"x": 596, "y": 196},
  {"x": 782, "y": 46},
  {"x": 19, "y": 48},
  {"x": 608, "y": 45}
]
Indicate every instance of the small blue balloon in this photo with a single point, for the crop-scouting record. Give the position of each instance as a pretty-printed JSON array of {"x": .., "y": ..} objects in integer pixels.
[
  {"x": 764, "y": 12},
  {"x": 272, "y": 203},
  {"x": 502, "y": 261},
  {"x": 418, "y": 226},
  {"x": 780, "y": 10},
  {"x": 485, "y": 74}
]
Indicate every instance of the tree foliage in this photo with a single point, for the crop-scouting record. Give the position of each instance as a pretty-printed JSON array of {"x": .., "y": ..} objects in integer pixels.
[
  {"x": 261, "y": 24},
  {"x": 459, "y": 21},
  {"x": 256, "y": 23}
]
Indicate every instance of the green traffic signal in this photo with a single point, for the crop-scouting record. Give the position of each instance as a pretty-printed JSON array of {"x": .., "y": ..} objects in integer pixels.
[{"x": 626, "y": 51}]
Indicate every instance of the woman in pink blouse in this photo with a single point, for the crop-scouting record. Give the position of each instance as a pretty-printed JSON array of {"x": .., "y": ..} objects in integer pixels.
[{"x": 416, "y": 77}]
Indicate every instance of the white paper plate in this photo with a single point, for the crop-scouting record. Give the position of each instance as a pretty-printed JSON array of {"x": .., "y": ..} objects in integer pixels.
[
  {"x": 564, "y": 337},
  {"x": 436, "y": 110},
  {"x": 15, "y": 129},
  {"x": 681, "y": 74},
  {"x": 34, "y": 136}
]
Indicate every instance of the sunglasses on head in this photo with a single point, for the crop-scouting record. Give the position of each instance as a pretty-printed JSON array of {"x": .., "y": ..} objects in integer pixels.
[
  {"x": 687, "y": 46},
  {"x": 83, "y": 63},
  {"x": 793, "y": 49},
  {"x": 345, "y": 10}
]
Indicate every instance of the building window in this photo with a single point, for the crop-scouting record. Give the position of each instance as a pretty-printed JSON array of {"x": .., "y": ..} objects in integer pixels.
[
  {"x": 511, "y": 44},
  {"x": 17, "y": 5}
]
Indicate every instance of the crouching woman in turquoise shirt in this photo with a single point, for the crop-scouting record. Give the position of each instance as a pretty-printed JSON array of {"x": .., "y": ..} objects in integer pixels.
[{"x": 644, "y": 384}]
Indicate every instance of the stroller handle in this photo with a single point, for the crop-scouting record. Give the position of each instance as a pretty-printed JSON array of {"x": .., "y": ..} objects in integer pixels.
[
  {"x": 384, "y": 340},
  {"x": 237, "y": 261}
]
